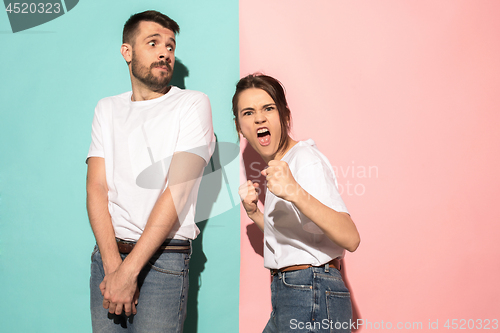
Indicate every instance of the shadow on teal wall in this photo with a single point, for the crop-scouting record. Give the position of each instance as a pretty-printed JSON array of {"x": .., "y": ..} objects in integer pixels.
[{"x": 52, "y": 76}]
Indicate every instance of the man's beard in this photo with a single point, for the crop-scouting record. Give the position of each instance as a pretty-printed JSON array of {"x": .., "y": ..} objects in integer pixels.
[{"x": 145, "y": 75}]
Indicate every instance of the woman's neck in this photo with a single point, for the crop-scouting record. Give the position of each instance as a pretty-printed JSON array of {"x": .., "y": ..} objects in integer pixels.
[{"x": 279, "y": 154}]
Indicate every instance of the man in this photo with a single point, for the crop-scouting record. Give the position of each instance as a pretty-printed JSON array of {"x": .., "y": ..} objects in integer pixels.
[{"x": 149, "y": 148}]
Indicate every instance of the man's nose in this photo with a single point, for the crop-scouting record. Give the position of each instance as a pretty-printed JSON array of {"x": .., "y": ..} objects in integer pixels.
[{"x": 165, "y": 54}]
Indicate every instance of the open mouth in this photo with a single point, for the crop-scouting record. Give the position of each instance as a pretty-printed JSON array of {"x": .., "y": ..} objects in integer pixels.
[{"x": 264, "y": 136}]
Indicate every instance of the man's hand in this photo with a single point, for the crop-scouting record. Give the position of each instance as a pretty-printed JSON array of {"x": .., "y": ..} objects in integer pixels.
[{"x": 120, "y": 292}]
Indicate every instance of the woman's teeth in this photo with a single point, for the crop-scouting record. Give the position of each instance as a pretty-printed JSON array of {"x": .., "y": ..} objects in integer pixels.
[
  {"x": 264, "y": 136},
  {"x": 262, "y": 130}
]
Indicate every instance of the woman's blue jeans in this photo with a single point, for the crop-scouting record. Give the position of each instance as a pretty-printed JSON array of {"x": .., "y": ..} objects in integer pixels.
[
  {"x": 163, "y": 285},
  {"x": 309, "y": 300}
]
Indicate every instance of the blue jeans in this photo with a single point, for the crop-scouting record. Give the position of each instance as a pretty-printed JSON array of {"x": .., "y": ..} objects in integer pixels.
[
  {"x": 309, "y": 300},
  {"x": 163, "y": 285}
]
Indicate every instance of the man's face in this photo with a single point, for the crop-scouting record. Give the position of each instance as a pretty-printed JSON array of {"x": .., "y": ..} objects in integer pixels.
[{"x": 153, "y": 55}]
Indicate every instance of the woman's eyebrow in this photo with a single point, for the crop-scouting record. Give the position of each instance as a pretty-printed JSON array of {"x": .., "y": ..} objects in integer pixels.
[
  {"x": 247, "y": 109},
  {"x": 267, "y": 105}
]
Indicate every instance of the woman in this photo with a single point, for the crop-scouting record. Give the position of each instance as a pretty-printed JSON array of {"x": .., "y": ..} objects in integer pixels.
[{"x": 305, "y": 222}]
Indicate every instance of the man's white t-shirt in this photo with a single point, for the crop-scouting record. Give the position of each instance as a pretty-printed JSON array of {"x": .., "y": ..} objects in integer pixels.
[
  {"x": 137, "y": 141},
  {"x": 290, "y": 238}
]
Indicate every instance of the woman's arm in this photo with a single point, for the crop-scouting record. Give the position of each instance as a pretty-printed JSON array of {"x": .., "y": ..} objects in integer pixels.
[
  {"x": 338, "y": 226},
  {"x": 249, "y": 198}
]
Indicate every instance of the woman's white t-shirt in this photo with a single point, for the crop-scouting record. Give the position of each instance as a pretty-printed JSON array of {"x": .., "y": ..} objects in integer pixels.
[{"x": 290, "y": 238}]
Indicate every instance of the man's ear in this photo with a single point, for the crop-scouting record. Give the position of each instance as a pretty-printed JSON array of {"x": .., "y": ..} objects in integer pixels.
[{"x": 126, "y": 51}]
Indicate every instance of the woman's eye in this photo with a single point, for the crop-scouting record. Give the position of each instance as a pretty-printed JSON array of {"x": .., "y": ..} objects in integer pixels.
[
  {"x": 269, "y": 108},
  {"x": 247, "y": 113}
]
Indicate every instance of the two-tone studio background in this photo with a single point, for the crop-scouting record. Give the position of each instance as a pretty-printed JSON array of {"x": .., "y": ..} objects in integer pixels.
[{"x": 401, "y": 95}]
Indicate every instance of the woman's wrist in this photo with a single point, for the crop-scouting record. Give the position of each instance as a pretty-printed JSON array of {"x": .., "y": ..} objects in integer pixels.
[
  {"x": 255, "y": 215},
  {"x": 296, "y": 195}
]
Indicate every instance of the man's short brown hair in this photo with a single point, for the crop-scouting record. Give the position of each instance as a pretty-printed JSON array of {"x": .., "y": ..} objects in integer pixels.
[{"x": 130, "y": 27}]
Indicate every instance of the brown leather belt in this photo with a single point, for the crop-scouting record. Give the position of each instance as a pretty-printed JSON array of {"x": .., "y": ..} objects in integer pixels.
[
  {"x": 126, "y": 247},
  {"x": 333, "y": 263}
]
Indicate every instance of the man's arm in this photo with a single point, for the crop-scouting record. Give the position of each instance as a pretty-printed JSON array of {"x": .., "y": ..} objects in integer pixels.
[
  {"x": 121, "y": 285},
  {"x": 100, "y": 220}
]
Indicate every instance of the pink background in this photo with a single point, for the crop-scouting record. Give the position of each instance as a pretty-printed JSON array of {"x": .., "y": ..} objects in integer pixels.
[{"x": 409, "y": 91}]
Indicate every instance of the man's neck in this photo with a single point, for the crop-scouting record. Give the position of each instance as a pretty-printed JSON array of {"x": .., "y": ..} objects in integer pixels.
[{"x": 143, "y": 93}]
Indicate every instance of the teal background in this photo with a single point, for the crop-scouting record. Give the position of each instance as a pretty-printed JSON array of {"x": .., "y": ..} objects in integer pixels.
[{"x": 51, "y": 79}]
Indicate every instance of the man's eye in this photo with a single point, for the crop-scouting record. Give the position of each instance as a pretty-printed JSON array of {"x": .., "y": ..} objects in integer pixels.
[
  {"x": 170, "y": 48},
  {"x": 152, "y": 43}
]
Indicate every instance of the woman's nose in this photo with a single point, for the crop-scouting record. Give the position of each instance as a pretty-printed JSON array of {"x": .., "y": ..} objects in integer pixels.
[{"x": 259, "y": 118}]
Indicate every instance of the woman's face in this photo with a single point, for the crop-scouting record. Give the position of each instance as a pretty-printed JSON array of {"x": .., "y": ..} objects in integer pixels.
[{"x": 259, "y": 122}]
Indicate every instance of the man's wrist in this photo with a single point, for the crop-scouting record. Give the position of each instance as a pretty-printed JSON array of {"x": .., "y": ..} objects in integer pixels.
[
  {"x": 110, "y": 265},
  {"x": 129, "y": 268},
  {"x": 110, "y": 268}
]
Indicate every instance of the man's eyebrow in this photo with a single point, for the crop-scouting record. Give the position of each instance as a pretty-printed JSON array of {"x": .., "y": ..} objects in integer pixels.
[
  {"x": 151, "y": 36},
  {"x": 158, "y": 35}
]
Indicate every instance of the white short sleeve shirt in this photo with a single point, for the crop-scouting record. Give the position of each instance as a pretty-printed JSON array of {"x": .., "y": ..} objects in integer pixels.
[
  {"x": 137, "y": 141},
  {"x": 290, "y": 238}
]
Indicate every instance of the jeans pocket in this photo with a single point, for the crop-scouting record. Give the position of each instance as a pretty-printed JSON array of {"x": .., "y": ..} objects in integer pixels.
[
  {"x": 273, "y": 295},
  {"x": 170, "y": 263},
  {"x": 339, "y": 309},
  {"x": 301, "y": 279}
]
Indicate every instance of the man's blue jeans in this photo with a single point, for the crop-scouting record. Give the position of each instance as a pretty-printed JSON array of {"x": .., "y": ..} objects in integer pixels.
[
  {"x": 309, "y": 300},
  {"x": 163, "y": 285}
]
